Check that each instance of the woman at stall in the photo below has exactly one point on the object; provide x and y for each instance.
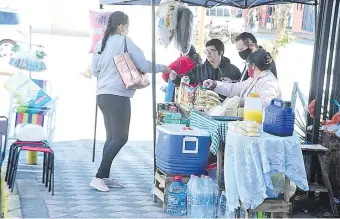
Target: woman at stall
(261, 81)
(113, 98)
(184, 63)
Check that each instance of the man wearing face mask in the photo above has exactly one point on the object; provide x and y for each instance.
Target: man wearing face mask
(246, 44)
(216, 67)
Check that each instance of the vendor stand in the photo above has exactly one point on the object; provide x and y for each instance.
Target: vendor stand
(241, 4)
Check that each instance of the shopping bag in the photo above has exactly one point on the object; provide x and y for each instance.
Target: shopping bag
(26, 92)
(131, 76)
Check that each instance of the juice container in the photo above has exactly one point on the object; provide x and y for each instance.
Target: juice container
(253, 108)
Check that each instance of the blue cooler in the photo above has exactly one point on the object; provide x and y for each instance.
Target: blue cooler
(182, 150)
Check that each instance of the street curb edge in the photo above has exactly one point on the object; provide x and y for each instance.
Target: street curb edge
(11, 206)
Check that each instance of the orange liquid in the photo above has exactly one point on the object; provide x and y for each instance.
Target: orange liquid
(253, 115)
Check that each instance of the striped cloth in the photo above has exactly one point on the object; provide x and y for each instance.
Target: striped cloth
(217, 129)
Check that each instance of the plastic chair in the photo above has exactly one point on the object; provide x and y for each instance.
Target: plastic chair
(48, 163)
(44, 116)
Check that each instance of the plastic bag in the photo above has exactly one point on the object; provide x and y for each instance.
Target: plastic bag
(166, 22)
(25, 91)
(183, 35)
(278, 181)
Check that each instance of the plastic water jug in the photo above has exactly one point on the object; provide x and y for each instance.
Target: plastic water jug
(170, 91)
(177, 197)
(279, 118)
(253, 108)
(197, 194)
(190, 190)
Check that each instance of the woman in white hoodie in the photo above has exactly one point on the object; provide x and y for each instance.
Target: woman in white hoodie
(261, 81)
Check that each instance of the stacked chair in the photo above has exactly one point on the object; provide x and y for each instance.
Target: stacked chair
(37, 146)
(3, 138)
(34, 130)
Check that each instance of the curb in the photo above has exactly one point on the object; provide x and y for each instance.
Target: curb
(11, 206)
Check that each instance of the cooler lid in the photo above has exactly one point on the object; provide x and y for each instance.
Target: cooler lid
(180, 129)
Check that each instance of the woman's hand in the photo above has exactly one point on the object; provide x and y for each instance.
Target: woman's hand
(210, 84)
(172, 75)
(167, 70)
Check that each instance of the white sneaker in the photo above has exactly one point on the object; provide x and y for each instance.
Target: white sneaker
(99, 185)
(112, 183)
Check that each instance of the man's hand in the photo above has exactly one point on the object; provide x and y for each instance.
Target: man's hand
(172, 75)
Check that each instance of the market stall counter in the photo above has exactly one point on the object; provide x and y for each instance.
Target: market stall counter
(258, 168)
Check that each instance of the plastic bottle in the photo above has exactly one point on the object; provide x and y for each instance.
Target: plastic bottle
(208, 199)
(222, 205)
(216, 192)
(196, 193)
(177, 197)
(190, 185)
(253, 108)
(170, 91)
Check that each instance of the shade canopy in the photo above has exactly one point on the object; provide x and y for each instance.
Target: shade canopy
(212, 3)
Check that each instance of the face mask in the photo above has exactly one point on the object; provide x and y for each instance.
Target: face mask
(251, 72)
(125, 32)
(244, 54)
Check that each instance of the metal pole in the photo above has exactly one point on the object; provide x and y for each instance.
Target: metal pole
(30, 46)
(320, 68)
(330, 61)
(316, 56)
(153, 2)
(95, 132)
(336, 73)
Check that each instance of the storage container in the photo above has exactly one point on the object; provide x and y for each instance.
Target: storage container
(181, 149)
(279, 118)
(253, 108)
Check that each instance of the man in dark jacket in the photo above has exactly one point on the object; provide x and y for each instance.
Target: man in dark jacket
(246, 44)
(216, 67)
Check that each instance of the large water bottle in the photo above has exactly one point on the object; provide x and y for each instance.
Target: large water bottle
(216, 190)
(177, 197)
(208, 198)
(190, 194)
(222, 205)
(197, 194)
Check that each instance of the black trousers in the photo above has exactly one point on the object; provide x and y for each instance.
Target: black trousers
(117, 113)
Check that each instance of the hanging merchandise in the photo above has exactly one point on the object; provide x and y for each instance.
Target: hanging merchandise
(26, 92)
(166, 22)
(29, 60)
(183, 34)
(98, 23)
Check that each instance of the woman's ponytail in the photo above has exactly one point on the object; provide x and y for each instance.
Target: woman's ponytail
(116, 19)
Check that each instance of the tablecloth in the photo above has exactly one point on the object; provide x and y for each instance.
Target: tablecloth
(216, 129)
(250, 161)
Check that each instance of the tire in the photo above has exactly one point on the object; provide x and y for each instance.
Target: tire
(6, 52)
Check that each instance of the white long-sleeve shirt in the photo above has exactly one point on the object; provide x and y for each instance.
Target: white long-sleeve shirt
(265, 85)
(103, 67)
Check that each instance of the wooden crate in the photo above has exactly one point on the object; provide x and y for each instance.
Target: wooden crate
(161, 185)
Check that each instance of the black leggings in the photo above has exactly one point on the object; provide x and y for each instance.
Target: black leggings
(117, 113)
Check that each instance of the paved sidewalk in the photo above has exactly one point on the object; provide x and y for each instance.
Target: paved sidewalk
(74, 198)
